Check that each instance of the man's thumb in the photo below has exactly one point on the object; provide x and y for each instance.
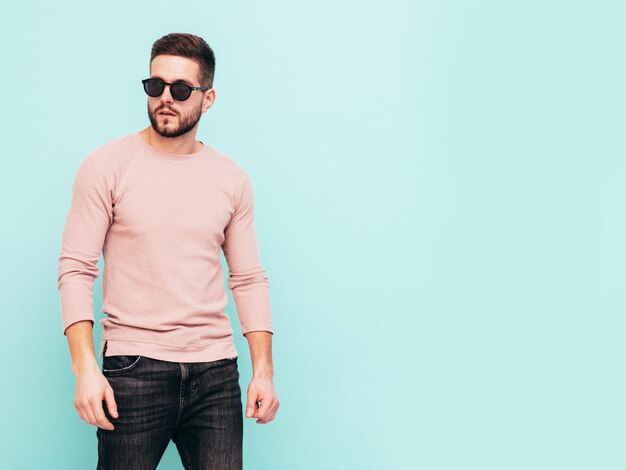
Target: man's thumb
(110, 400)
(251, 403)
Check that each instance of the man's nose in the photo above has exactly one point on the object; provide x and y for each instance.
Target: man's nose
(166, 96)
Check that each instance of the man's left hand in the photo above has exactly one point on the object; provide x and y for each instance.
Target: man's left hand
(262, 390)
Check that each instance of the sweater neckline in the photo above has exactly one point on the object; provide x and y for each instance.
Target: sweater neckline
(181, 157)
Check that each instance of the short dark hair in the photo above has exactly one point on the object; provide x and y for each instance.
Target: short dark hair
(189, 46)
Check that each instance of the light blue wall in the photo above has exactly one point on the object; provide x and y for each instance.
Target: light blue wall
(440, 210)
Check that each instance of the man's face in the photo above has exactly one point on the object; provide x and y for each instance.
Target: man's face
(186, 114)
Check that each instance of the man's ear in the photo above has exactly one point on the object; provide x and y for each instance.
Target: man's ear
(208, 100)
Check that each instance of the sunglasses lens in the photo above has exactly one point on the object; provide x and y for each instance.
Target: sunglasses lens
(180, 91)
(153, 87)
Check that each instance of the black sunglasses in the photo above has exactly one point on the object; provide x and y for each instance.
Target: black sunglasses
(180, 91)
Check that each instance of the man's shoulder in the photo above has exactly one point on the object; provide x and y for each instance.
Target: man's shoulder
(112, 153)
(228, 164)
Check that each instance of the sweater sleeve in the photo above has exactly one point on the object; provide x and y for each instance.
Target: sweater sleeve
(89, 217)
(247, 278)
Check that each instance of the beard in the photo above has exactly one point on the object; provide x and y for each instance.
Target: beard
(185, 123)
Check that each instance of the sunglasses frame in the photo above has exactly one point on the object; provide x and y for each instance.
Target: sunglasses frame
(164, 83)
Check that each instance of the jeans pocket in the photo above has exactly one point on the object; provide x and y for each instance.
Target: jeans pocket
(119, 364)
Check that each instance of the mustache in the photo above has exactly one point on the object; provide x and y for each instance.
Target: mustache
(166, 110)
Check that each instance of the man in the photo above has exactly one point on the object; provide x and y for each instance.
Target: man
(159, 206)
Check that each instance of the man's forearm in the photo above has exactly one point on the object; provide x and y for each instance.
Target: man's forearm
(260, 343)
(80, 340)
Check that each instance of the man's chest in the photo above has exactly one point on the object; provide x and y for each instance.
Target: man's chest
(183, 205)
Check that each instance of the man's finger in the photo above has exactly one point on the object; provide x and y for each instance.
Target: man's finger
(91, 419)
(251, 399)
(268, 411)
(250, 409)
(263, 411)
(109, 398)
(101, 419)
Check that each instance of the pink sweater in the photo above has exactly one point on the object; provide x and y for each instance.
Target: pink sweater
(160, 219)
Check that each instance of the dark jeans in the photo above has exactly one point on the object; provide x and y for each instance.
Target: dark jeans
(195, 404)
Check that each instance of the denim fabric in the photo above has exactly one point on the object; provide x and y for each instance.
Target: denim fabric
(196, 404)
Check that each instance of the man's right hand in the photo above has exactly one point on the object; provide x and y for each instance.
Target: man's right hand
(91, 388)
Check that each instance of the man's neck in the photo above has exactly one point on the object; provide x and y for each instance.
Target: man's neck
(182, 145)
